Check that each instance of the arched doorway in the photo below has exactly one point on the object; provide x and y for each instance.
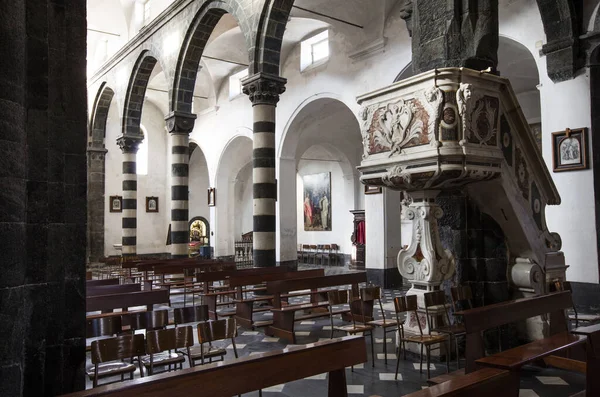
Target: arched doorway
(199, 242)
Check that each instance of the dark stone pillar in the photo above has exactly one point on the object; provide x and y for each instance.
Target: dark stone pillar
(263, 91)
(43, 126)
(129, 144)
(454, 33)
(95, 185)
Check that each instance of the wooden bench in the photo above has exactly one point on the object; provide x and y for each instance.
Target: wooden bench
(112, 289)
(244, 375)
(106, 281)
(244, 307)
(125, 300)
(285, 317)
(211, 298)
(482, 318)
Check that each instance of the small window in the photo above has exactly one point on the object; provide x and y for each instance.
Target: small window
(147, 11)
(235, 83)
(141, 157)
(314, 50)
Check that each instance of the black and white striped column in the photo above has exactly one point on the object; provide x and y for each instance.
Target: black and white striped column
(264, 91)
(180, 125)
(129, 145)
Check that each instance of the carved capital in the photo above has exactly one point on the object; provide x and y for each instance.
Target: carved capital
(180, 122)
(129, 143)
(264, 89)
(406, 12)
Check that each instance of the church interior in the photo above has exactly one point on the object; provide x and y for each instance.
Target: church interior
(300, 198)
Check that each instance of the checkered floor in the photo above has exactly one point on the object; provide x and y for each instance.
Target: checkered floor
(366, 380)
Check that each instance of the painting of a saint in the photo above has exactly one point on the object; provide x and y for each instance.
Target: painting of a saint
(317, 202)
(570, 151)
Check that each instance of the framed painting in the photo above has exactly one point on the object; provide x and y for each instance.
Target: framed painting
(373, 189)
(212, 197)
(116, 203)
(569, 150)
(151, 204)
(316, 202)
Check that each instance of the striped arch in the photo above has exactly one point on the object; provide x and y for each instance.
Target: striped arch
(265, 56)
(97, 131)
(193, 47)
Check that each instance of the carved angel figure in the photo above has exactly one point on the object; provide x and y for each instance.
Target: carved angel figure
(397, 171)
(463, 95)
(366, 116)
(434, 100)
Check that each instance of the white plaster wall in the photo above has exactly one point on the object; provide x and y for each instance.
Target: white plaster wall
(341, 204)
(383, 229)
(113, 182)
(198, 186)
(243, 202)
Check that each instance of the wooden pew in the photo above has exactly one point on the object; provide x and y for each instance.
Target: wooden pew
(210, 298)
(488, 382)
(244, 307)
(592, 365)
(112, 289)
(244, 375)
(107, 281)
(123, 301)
(285, 317)
(482, 318)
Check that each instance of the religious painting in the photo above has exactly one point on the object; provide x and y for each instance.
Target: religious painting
(569, 150)
(373, 189)
(151, 204)
(212, 199)
(116, 204)
(317, 202)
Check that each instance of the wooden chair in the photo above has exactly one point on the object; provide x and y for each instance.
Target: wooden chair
(408, 305)
(312, 253)
(388, 325)
(438, 299)
(103, 326)
(335, 253)
(305, 253)
(342, 297)
(559, 286)
(107, 352)
(211, 331)
(192, 314)
(161, 342)
(149, 320)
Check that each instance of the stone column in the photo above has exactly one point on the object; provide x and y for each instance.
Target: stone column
(264, 91)
(129, 144)
(179, 126)
(453, 34)
(95, 193)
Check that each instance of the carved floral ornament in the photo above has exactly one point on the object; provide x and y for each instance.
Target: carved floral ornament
(393, 126)
(479, 115)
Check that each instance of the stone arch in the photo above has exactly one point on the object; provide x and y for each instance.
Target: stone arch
(96, 168)
(193, 47)
(330, 112)
(136, 91)
(265, 55)
(595, 127)
(561, 20)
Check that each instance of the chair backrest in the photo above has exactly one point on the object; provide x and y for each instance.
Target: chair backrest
(150, 320)
(337, 297)
(103, 326)
(370, 294)
(437, 299)
(305, 246)
(169, 339)
(210, 331)
(335, 247)
(118, 348)
(191, 314)
(461, 293)
(407, 304)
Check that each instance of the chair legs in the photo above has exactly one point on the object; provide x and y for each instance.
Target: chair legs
(372, 350)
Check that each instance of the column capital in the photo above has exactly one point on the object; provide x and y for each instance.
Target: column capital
(180, 122)
(129, 143)
(264, 89)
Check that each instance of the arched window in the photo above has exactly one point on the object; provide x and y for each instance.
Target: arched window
(142, 154)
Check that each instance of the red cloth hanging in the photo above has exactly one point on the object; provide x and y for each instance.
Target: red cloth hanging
(360, 233)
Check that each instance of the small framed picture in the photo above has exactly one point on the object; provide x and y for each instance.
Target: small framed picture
(116, 204)
(151, 204)
(569, 150)
(373, 189)
(212, 197)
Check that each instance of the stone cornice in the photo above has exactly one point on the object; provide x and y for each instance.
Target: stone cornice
(264, 89)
